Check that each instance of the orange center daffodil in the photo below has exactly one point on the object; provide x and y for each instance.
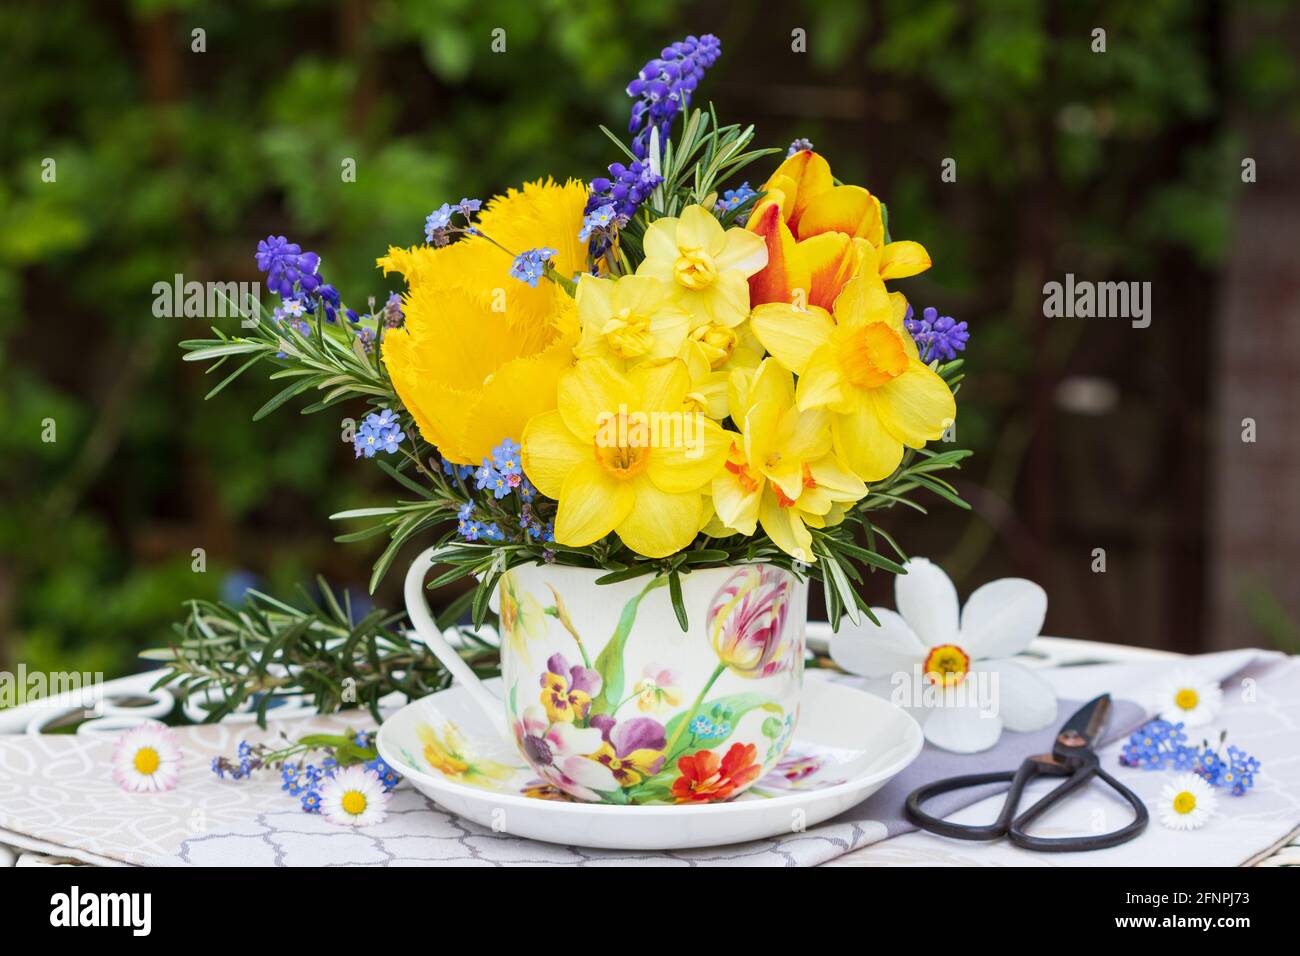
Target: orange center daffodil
(862, 366)
(781, 472)
(820, 235)
(623, 452)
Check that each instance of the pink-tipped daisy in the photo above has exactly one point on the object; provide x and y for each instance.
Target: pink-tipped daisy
(147, 759)
(354, 797)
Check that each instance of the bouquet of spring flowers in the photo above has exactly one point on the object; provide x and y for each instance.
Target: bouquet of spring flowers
(658, 371)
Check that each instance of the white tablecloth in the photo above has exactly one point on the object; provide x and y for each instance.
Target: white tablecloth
(56, 796)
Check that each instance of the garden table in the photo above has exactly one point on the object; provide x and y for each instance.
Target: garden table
(914, 848)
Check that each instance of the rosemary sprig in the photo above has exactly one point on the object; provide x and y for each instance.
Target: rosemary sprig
(266, 649)
(692, 166)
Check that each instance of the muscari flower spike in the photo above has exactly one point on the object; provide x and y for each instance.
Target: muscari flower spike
(664, 86)
(625, 189)
(936, 336)
(287, 267)
(798, 146)
(293, 275)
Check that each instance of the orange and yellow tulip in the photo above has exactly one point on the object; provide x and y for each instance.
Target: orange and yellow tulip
(819, 236)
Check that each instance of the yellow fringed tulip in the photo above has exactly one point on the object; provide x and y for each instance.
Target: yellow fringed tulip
(707, 266)
(630, 319)
(623, 453)
(480, 353)
(470, 378)
(862, 366)
(540, 214)
(819, 235)
(782, 473)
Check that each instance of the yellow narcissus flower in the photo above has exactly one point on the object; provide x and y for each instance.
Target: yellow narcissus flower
(707, 266)
(708, 381)
(630, 319)
(480, 353)
(819, 236)
(623, 453)
(782, 472)
(863, 367)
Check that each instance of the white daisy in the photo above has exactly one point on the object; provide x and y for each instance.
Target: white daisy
(354, 797)
(147, 759)
(960, 658)
(1188, 698)
(1187, 803)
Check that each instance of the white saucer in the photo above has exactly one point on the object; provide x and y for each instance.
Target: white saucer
(847, 745)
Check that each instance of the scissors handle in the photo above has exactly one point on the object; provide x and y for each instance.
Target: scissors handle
(1012, 826)
(1028, 770)
(1016, 832)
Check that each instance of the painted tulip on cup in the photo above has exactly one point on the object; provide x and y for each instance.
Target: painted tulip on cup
(746, 622)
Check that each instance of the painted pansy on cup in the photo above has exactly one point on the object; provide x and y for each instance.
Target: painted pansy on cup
(641, 413)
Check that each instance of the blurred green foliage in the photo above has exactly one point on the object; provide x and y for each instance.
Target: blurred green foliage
(170, 160)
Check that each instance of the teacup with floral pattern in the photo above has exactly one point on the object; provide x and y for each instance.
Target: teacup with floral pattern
(610, 701)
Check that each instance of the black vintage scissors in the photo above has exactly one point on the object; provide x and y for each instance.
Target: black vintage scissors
(1072, 757)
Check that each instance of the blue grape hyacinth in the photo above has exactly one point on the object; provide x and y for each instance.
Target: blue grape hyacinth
(664, 86)
(936, 336)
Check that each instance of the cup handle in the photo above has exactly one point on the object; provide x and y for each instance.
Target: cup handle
(428, 631)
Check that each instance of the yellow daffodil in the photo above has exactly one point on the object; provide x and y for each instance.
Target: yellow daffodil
(708, 392)
(629, 319)
(480, 353)
(707, 266)
(725, 347)
(624, 453)
(819, 235)
(862, 366)
(782, 472)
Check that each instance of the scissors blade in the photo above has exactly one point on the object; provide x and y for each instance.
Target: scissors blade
(1088, 721)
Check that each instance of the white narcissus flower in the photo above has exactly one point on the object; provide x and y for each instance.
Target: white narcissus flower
(354, 797)
(1187, 803)
(147, 759)
(929, 636)
(1187, 698)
